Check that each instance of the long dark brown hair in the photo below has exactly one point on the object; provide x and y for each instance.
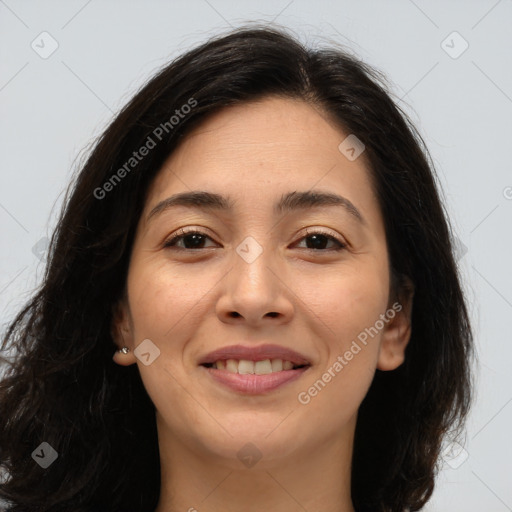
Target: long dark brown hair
(62, 386)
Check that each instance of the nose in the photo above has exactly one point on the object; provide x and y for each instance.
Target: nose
(255, 292)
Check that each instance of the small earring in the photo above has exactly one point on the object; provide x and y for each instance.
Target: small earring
(124, 350)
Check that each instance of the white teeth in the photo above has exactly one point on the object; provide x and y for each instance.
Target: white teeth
(277, 365)
(263, 367)
(232, 366)
(244, 366)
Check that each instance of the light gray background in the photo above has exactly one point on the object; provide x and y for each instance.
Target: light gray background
(52, 108)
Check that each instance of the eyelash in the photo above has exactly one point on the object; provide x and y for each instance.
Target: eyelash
(183, 232)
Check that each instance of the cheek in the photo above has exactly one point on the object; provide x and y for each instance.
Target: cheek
(347, 306)
(344, 301)
(166, 306)
(164, 300)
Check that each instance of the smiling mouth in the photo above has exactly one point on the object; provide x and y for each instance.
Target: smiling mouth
(254, 377)
(247, 367)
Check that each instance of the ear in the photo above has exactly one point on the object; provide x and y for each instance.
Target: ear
(397, 331)
(122, 333)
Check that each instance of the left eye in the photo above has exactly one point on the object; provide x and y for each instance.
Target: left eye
(196, 241)
(319, 240)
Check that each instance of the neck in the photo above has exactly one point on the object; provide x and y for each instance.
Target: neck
(314, 478)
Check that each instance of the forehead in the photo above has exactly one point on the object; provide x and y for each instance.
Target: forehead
(262, 149)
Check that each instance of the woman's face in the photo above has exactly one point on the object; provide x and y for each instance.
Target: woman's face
(310, 276)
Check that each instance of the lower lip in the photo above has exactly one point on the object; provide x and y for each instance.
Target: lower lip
(251, 384)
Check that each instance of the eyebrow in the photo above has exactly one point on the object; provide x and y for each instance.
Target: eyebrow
(291, 201)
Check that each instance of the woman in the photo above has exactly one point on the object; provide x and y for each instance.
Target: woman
(250, 301)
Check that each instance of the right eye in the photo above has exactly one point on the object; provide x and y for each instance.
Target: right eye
(193, 238)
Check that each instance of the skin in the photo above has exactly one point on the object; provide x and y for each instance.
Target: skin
(321, 299)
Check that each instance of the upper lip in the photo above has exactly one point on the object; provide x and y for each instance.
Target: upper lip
(259, 353)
